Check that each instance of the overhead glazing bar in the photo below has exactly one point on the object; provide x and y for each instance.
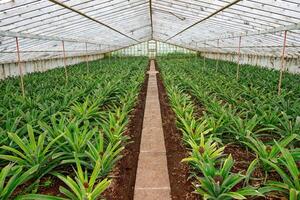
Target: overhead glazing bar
(90, 18)
(209, 16)
(259, 32)
(44, 37)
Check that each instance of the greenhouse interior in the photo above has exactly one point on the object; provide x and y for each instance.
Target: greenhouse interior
(149, 99)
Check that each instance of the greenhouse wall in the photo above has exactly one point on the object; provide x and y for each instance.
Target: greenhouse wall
(151, 48)
(292, 65)
(41, 65)
(135, 50)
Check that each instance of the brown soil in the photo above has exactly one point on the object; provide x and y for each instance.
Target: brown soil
(48, 185)
(124, 174)
(53, 188)
(242, 159)
(181, 188)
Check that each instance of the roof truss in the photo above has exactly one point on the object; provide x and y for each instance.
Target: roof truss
(213, 25)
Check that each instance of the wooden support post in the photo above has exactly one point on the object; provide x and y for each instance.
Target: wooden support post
(87, 57)
(189, 56)
(100, 50)
(113, 54)
(41, 66)
(218, 57)
(282, 68)
(109, 54)
(196, 51)
(65, 61)
(155, 48)
(256, 60)
(204, 55)
(20, 67)
(238, 63)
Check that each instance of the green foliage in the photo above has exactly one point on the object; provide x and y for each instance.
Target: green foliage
(241, 128)
(288, 170)
(84, 187)
(288, 125)
(206, 151)
(32, 152)
(207, 99)
(114, 125)
(219, 183)
(107, 157)
(265, 152)
(11, 177)
(85, 111)
(55, 120)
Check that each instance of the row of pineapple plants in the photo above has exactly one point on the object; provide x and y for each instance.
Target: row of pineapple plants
(215, 110)
(72, 131)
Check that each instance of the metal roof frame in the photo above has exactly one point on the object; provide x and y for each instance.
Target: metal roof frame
(91, 18)
(193, 24)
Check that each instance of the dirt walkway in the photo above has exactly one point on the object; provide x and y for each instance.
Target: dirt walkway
(152, 179)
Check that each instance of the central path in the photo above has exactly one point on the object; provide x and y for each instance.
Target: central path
(152, 179)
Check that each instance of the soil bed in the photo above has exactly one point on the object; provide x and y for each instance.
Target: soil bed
(181, 188)
(242, 159)
(179, 172)
(124, 174)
